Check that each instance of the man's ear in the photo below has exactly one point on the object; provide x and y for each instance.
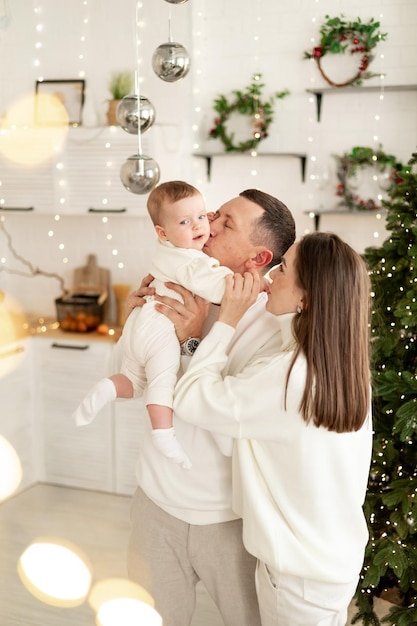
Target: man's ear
(260, 259)
(161, 233)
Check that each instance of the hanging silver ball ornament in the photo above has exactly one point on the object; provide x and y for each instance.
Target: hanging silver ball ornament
(171, 62)
(139, 174)
(127, 114)
(176, 1)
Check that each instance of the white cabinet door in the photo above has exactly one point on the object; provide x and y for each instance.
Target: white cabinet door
(17, 406)
(81, 175)
(89, 175)
(73, 456)
(129, 418)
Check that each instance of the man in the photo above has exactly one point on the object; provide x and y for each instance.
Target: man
(183, 526)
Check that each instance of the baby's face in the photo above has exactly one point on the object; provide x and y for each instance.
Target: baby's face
(185, 223)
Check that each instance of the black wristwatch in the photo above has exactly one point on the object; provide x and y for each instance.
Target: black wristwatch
(189, 346)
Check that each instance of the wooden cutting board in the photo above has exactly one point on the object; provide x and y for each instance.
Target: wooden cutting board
(91, 277)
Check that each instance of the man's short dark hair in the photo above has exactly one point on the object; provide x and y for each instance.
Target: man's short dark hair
(276, 228)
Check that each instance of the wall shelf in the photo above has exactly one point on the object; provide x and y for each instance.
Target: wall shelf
(209, 156)
(320, 93)
(316, 214)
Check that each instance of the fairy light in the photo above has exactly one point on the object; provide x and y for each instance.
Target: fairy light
(257, 20)
(199, 78)
(312, 139)
(39, 41)
(85, 25)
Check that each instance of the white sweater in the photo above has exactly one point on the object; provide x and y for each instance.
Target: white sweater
(193, 269)
(203, 495)
(298, 488)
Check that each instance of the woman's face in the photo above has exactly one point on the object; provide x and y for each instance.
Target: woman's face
(284, 293)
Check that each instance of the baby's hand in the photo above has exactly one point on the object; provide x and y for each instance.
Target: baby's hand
(137, 297)
(241, 292)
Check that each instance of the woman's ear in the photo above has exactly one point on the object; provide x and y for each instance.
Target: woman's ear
(260, 259)
(161, 233)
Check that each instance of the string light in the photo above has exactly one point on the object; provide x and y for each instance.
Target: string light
(199, 77)
(39, 42)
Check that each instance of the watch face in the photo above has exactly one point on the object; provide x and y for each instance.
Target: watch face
(192, 345)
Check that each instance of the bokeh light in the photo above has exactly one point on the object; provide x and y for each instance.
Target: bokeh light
(55, 572)
(25, 138)
(116, 588)
(128, 612)
(10, 469)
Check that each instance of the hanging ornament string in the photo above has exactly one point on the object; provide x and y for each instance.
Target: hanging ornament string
(169, 24)
(137, 79)
(140, 173)
(170, 61)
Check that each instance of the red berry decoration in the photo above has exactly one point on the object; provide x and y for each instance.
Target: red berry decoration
(339, 36)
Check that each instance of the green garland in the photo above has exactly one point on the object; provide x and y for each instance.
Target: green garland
(247, 102)
(339, 36)
(363, 157)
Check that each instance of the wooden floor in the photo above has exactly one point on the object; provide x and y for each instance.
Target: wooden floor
(97, 523)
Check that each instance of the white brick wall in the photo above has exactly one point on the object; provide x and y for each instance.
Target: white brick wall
(222, 32)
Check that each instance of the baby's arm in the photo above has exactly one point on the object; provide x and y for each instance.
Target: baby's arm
(204, 277)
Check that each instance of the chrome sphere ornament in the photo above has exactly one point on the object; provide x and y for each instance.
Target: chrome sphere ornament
(127, 114)
(176, 1)
(171, 62)
(139, 174)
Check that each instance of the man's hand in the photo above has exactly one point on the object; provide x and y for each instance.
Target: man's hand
(137, 297)
(188, 318)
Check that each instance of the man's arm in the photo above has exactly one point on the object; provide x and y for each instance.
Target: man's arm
(188, 318)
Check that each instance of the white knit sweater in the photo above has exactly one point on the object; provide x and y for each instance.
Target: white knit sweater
(298, 488)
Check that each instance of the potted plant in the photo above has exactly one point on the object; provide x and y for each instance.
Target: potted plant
(120, 85)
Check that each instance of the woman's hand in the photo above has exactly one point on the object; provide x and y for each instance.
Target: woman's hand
(188, 318)
(241, 292)
(137, 297)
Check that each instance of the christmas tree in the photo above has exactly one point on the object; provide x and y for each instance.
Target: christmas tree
(390, 566)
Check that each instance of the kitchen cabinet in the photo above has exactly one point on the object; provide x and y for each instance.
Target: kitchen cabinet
(38, 397)
(73, 456)
(17, 418)
(80, 177)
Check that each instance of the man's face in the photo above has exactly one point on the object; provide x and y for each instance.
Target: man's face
(229, 241)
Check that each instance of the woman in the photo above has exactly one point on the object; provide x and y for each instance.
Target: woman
(302, 425)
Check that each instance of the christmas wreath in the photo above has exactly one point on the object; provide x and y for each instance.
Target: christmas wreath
(339, 36)
(246, 102)
(359, 158)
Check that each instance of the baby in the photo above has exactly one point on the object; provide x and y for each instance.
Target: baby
(151, 352)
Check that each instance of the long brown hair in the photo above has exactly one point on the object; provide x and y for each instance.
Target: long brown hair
(333, 332)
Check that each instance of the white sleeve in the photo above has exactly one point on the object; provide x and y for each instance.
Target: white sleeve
(247, 405)
(205, 277)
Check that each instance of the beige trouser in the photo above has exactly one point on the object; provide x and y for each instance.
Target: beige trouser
(286, 600)
(168, 557)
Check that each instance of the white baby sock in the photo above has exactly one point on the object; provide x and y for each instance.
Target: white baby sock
(101, 394)
(166, 443)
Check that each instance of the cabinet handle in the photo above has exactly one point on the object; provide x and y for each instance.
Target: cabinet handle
(17, 208)
(68, 346)
(93, 210)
